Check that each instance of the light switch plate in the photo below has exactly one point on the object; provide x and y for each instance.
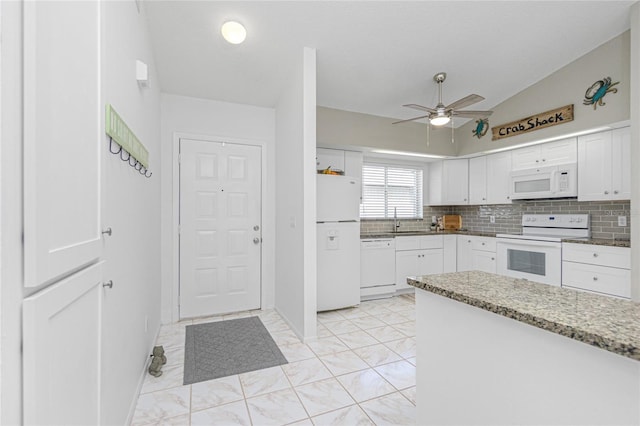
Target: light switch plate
(622, 221)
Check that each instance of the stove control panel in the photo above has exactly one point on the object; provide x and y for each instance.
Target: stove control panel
(579, 221)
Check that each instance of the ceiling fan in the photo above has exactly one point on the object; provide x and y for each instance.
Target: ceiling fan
(441, 115)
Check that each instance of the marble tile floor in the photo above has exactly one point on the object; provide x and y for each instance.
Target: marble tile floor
(359, 371)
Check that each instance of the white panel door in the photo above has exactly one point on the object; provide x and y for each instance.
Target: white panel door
(61, 344)
(220, 228)
(62, 116)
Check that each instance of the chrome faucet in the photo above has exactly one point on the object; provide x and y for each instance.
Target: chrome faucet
(396, 224)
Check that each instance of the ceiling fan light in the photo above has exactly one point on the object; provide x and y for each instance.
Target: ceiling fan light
(233, 32)
(439, 120)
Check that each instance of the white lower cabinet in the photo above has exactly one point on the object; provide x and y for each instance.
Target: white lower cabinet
(599, 269)
(418, 255)
(476, 253)
(61, 351)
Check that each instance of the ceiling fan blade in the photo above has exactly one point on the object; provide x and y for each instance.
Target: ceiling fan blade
(464, 102)
(421, 108)
(472, 114)
(411, 119)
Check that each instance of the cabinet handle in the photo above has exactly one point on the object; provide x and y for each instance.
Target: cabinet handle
(606, 192)
(595, 254)
(107, 231)
(493, 258)
(508, 198)
(482, 243)
(537, 161)
(595, 278)
(108, 284)
(544, 159)
(615, 192)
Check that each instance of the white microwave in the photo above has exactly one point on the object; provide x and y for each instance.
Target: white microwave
(545, 182)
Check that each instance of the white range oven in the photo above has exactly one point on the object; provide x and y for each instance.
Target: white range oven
(536, 254)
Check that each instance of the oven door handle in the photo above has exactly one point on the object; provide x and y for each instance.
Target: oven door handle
(529, 243)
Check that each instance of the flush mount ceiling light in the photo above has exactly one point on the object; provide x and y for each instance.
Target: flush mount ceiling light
(233, 32)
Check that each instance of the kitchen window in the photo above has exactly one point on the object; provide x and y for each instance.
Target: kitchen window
(388, 187)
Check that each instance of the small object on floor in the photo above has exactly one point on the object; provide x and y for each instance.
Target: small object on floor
(158, 360)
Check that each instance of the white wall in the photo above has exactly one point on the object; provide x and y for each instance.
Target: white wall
(223, 121)
(295, 199)
(130, 206)
(565, 86)
(11, 221)
(635, 151)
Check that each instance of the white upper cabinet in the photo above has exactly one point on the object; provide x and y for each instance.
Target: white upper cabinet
(547, 154)
(62, 139)
(478, 180)
(455, 182)
(333, 158)
(489, 179)
(350, 162)
(498, 178)
(604, 166)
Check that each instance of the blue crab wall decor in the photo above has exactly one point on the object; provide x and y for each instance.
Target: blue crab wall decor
(482, 125)
(595, 93)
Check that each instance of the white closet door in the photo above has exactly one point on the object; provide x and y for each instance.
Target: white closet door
(61, 351)
(62, 121)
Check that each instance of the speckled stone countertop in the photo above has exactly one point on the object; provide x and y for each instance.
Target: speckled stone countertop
(600, 242)
(605, 322)
(414, 233)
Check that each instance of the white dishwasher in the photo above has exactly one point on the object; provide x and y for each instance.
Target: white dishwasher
(377, 268)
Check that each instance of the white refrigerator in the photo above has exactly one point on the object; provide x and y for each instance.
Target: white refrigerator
(338, 239)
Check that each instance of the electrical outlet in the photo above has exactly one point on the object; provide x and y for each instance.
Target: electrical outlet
(492, 219)
(622, 221)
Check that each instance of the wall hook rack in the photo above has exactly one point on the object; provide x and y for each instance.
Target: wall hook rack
(127, 157)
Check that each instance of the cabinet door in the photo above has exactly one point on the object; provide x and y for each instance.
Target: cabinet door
(455, 179)
(559, 152)
(478, 185)
(353, 164)
(430, 262)
(498, 178)
(435, 183)
(406, 266)
(621, 164)
(62, 138)
(449, 253)
(594, 167)
(463, 254)
(333, 158)
(526, 158)
(61, 344)
(484, 261)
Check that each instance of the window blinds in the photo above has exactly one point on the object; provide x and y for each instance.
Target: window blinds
(385, 187)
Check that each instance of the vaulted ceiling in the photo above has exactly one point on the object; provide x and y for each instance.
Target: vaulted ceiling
(374, 56)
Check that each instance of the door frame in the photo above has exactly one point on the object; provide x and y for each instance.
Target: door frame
(268, 221)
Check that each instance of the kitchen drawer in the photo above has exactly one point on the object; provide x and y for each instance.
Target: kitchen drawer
(484, 244)
(419, 242)
(600, 279)
(616, 257)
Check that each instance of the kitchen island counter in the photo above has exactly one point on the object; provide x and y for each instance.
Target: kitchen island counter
(494, 350)
(608, 323)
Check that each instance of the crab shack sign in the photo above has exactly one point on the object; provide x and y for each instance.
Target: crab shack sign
(535, 122)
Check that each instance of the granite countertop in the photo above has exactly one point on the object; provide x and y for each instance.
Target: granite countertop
(600, 242)
(414, 233)
(605, 322)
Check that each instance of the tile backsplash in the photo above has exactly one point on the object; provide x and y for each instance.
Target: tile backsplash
(604, 217)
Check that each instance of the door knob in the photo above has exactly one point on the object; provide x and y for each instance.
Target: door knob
(256, 240)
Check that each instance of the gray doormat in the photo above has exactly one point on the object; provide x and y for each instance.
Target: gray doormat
(225, 348)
